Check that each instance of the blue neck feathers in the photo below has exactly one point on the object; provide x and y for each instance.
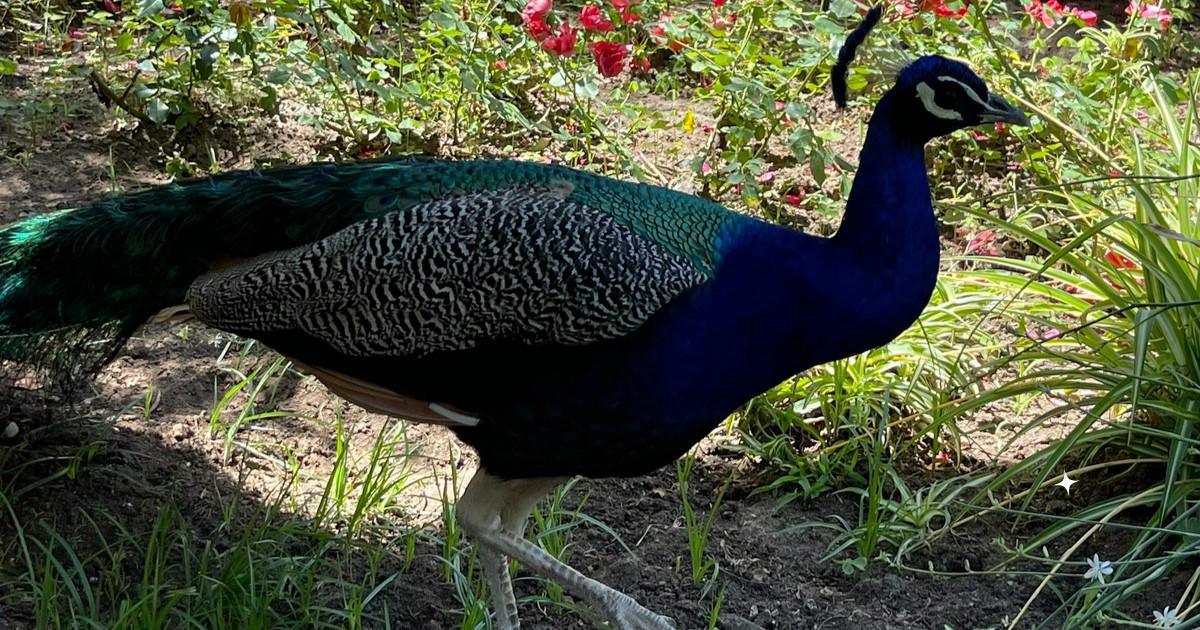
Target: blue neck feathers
(782, 301)
(890, 213)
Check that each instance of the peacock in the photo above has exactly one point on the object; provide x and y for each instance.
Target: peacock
(603, 326)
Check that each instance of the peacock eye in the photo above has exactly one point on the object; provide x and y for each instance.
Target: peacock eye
(955, 96)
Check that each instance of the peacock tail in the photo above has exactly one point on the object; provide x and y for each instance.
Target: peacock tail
(75, 284)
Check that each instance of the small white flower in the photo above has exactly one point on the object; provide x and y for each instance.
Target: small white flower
(1166, 618)
(1098, 568)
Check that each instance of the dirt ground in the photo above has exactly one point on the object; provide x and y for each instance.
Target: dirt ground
(774, 574)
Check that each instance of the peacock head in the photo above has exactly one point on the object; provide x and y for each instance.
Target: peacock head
(933, 95)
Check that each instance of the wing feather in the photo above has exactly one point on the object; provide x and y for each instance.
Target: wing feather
(526, 264)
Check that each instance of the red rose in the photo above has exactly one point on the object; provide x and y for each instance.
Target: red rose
(610, 57)
(534, 16)
(592, 19)
(562, 44)
(536, 26)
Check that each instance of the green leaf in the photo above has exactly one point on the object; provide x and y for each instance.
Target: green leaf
(206, 59)
(1160, 230)
(279, 75)
(587, 88)
(856, 81)
(347, 33)
(445, 20)
(157, 111)
(825, 25)
(124, 42)
(843, 8)
(816, 162)
(7, 66)
(150, 7)
(269, 101)
(189, 32)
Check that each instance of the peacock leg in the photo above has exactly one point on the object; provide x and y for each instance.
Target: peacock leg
(493, 511)
(504, 506)
(504, 603)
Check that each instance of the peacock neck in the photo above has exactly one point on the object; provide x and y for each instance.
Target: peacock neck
(887, 246)
(889, 211)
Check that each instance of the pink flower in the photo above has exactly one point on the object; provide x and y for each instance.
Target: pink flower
(983, 244)
(940, 8)
(765, 177)
(705, 168)
(592, 19)
(500, 64)
(112, 7)
(610, 57)
(1001, 127)
(536, 7)
(562, 44)
(1039, 13)
(905, 8)
(1087, 17)
(794, 198)
(1043, 334)
(723, 22)
(659, 34)
(1150, 12)
(1046, 12)
(627, 14)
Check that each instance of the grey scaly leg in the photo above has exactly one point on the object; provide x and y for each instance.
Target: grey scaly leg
(506, 508)
(494, 511)
(504, 603)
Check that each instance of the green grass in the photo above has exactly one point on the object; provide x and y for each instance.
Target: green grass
(275, 570)
(705, 569)
(1127, 290)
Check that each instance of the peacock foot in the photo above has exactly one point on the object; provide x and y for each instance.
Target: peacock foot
(626, 614)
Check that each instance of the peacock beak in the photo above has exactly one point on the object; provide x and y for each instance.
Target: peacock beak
(999, 110)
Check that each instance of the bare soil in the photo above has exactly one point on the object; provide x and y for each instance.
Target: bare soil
(774, 573)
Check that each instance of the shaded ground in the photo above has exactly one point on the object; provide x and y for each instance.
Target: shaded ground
(146, 435)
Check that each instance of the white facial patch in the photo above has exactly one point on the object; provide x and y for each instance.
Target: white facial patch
(927, 96)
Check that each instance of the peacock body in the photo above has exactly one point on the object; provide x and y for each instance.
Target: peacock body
(559, 322)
